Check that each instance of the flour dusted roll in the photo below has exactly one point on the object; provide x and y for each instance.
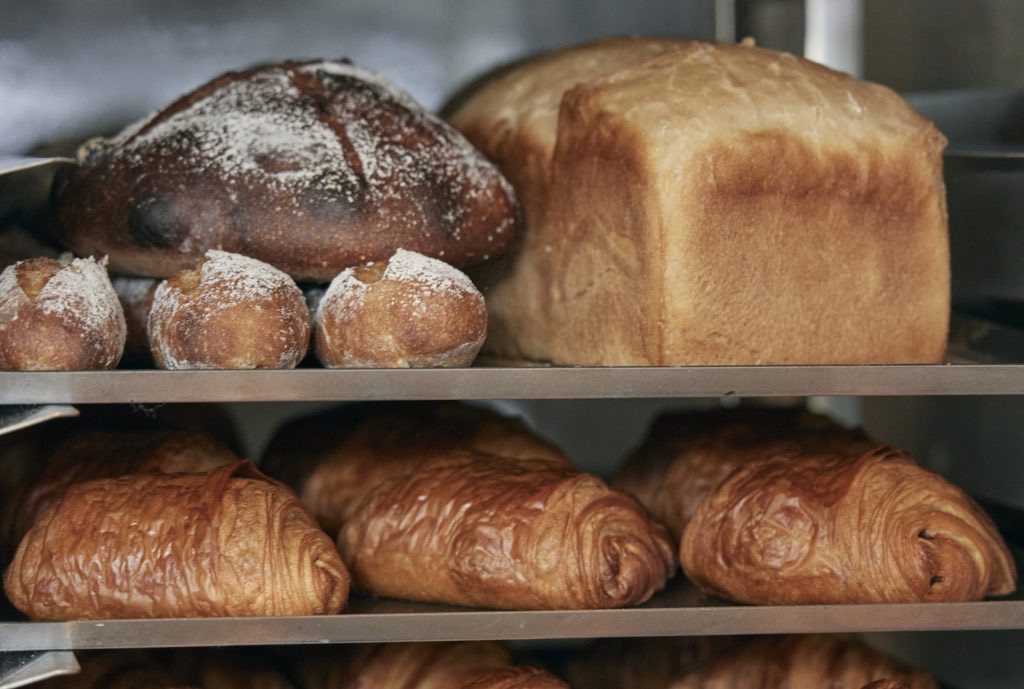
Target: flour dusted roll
(697, 203)
(312, 167)
(225, 543)
(229, 311)
(59, 316)
(408, 311)
(824, 527)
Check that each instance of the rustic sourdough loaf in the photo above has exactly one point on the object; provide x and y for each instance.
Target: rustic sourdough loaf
(691, 203)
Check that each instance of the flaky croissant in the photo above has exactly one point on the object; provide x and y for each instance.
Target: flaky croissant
(887, 684)
(480, 530)
(85, 455)
(330, 458)
(443, 665)
(116, 670)
(820, 528)
(230, 542)
(686, 455)
(642, 663)
(804, 662)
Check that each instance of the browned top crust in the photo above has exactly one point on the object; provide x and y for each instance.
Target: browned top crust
(310, 166)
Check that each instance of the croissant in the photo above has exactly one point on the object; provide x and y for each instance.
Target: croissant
(685, 455)
(331, 458)
(229, 542)
(642, 663)
(115, 670)
(832, 528)
(446, 665)
(887, 684)
(499, 532)
(807, 662)
(84, 455)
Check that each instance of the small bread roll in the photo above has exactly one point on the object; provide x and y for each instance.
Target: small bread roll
(230, 311)
(136, 295)
(59, 316)
(409, 311)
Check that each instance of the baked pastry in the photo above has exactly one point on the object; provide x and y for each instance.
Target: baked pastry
(407, 311)
(817, 527)
(229, 311)
(312, 167)
(695, 203)
(136, 296)
(444, 665)
(473, 529)
(887, 684)
(116, 670)
(807, 662)
(686, 455)
(59, 316)
(331, 459)
(84, 455)
(653, 663)
(225, 543)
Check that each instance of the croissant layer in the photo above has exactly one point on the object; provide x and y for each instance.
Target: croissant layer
(229, 542)
(833, 528)
(481, 530)
(804, 662)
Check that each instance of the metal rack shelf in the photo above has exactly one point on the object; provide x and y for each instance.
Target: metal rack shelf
(678, 611)
(507, 383)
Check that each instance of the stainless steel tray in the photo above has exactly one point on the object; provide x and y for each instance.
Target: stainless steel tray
(507, 383)
(678, 611)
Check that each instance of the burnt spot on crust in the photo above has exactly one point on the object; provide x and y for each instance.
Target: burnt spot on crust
(157, 222)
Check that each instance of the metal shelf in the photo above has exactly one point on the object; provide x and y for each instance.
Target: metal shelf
(678, 611)
(507, 383)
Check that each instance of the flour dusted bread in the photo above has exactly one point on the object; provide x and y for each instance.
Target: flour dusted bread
(59, 316)
(312, 167)
(808, 527)
(692, 203)
(408, 311)
(225, 543)
(229, 311)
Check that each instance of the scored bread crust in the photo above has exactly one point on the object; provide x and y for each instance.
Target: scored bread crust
(692, 203)
(310, 166)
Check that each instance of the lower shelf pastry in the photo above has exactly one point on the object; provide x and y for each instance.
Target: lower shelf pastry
(783, 508)
(229, 542)
(480, 514)
(768, 662)
(443, 665)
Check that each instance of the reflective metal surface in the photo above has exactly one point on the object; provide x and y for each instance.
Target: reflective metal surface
(679, 611)
(507, 383)
(24, 668)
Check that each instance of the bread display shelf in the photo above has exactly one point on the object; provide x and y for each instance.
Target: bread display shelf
(87, 387)
(679, 611)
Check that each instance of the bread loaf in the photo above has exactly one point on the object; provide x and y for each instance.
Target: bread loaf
(220, 544)
(228, 312)
(692, 203)
(824, 527)
(407, 311)
(312, 167)
(59, 316)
